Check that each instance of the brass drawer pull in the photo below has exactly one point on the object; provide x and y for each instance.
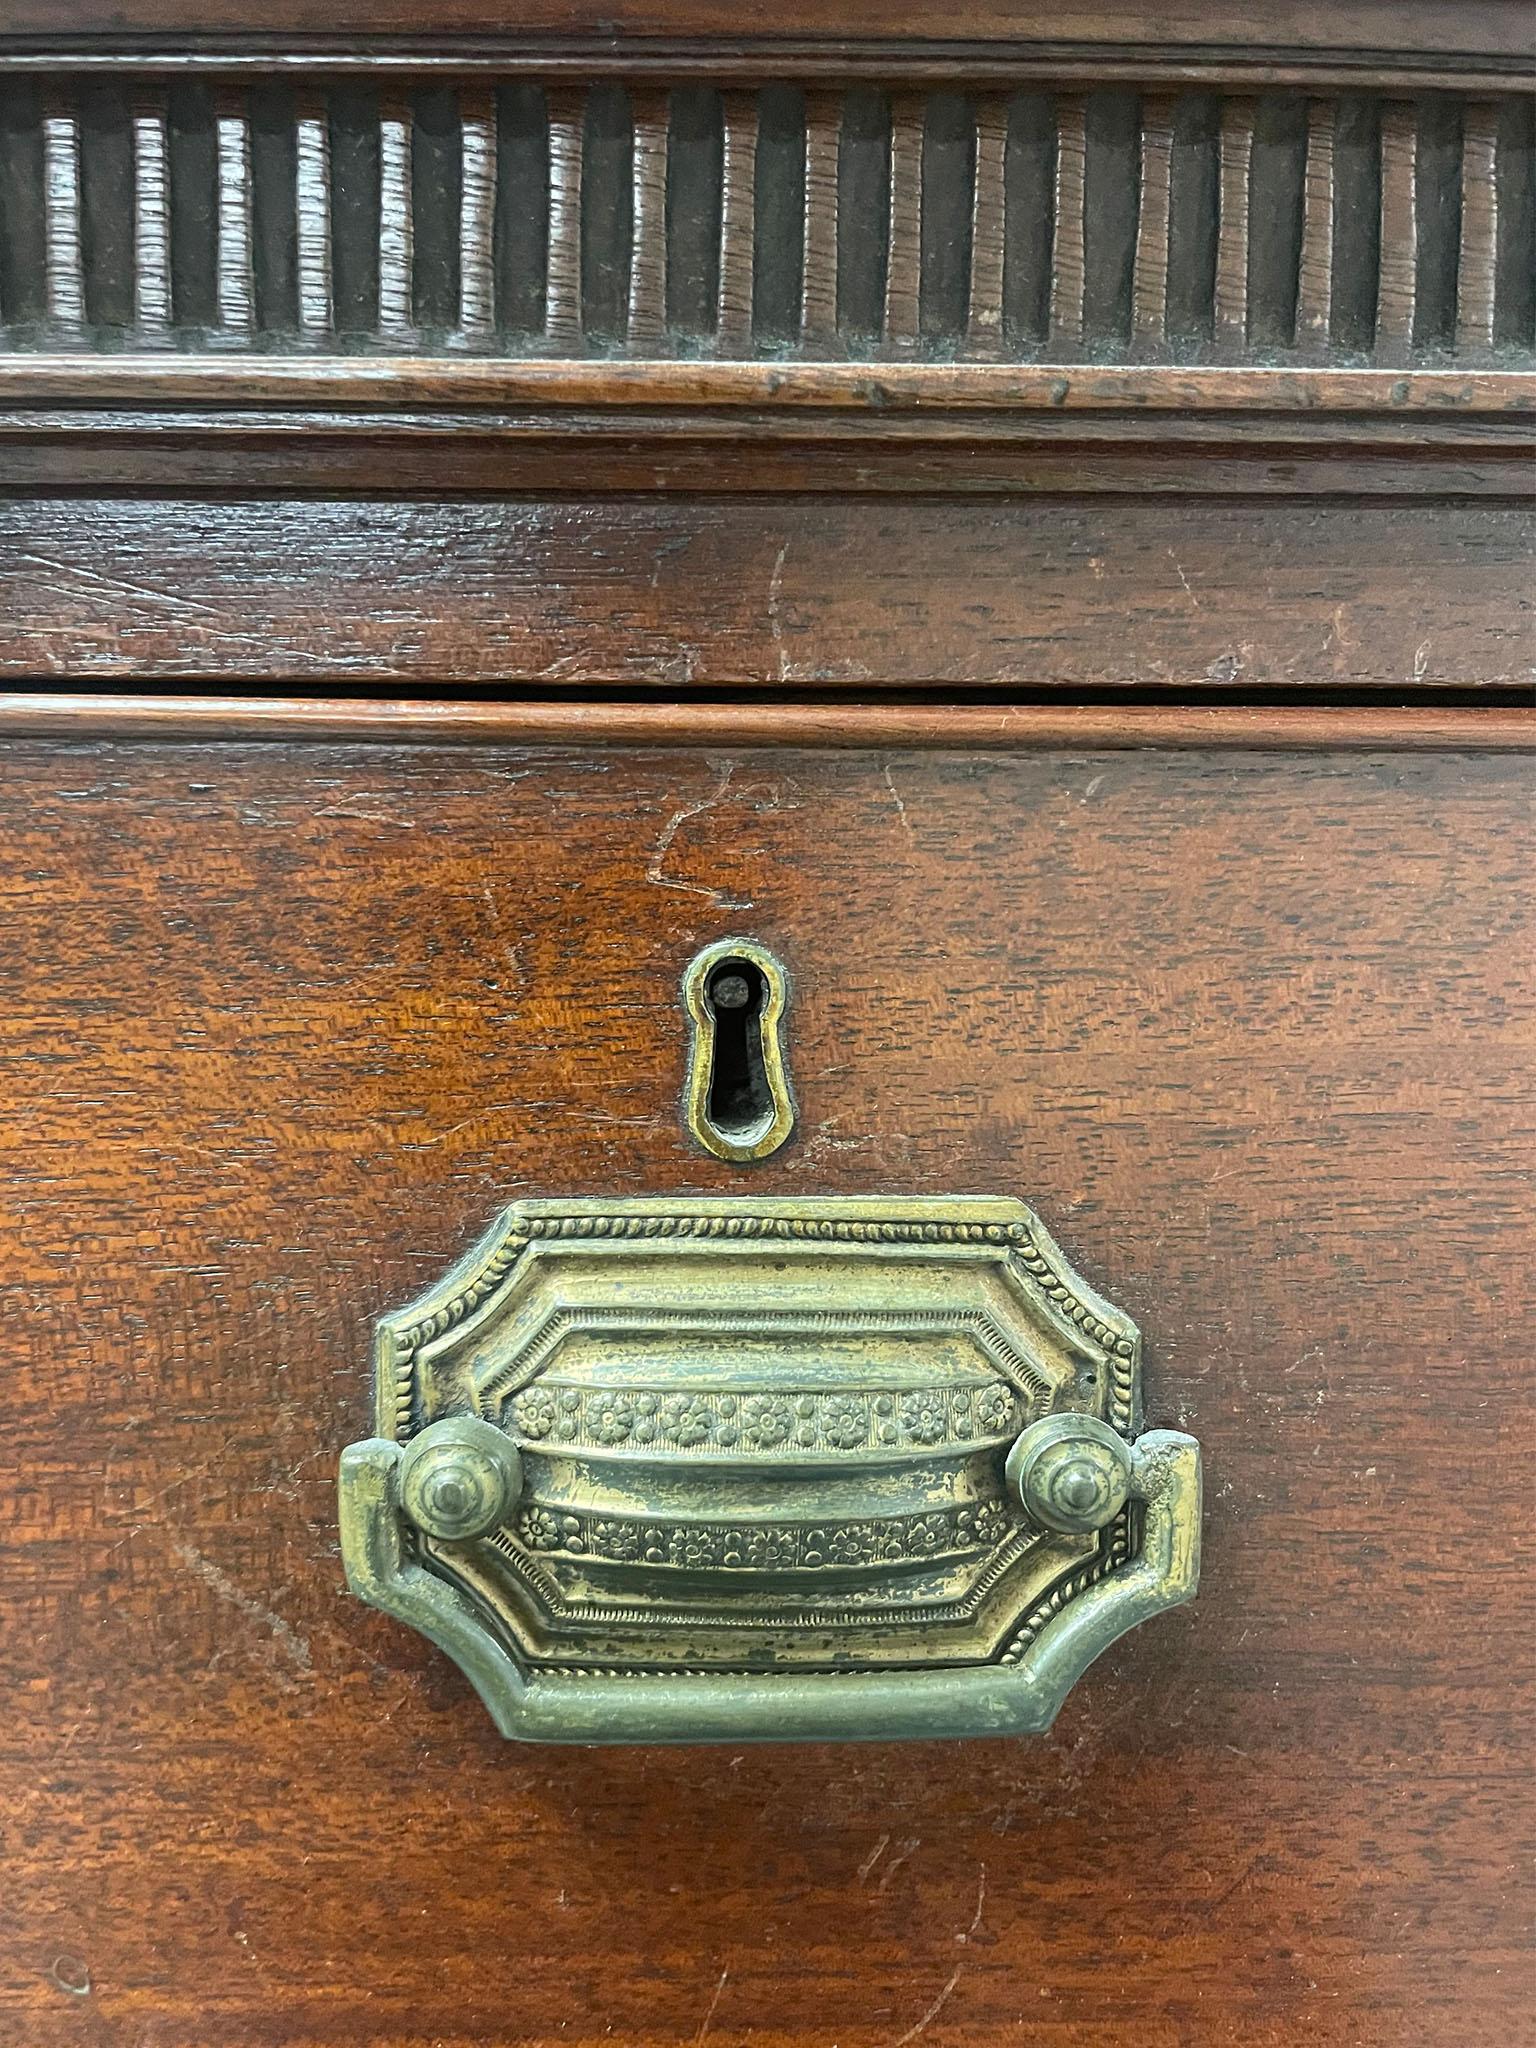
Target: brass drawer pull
(710, 1470)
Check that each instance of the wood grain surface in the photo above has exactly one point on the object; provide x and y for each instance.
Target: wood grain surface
(1480, 727)
(1049, 593)
(870, 388)
(151, 453)
(1306, 29)
(282, 1026)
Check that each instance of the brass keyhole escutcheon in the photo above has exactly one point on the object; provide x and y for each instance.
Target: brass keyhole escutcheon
(738, 1103)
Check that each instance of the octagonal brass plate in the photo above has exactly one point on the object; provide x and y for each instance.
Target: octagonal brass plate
(700, 1469)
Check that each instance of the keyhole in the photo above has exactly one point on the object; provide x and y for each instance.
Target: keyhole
(738, 1087)
(739, 1105)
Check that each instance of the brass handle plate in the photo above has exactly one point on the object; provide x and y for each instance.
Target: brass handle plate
(716, 1470)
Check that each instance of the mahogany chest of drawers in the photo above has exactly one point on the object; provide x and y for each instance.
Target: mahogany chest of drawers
(997, 550)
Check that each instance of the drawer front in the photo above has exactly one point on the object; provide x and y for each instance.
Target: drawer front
(285, 1026)
(1229, 594)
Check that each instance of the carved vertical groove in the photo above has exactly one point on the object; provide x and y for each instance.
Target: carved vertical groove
(1228, 224)
(984, 323)
(647, 320)
(1314, 284)
(904, 231)
(1068, 246)
(562, 282)
(477, 214)
(1234, 191)
(1397, 277)
(63, 256)
(1477, 258)
(738, 223)
(818, 276)
(312, 200)
(236, 294)
(397, 252)
(1149, 288)
(151, 219)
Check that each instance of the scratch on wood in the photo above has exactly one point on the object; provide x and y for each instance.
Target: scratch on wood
(509, 951)
(931, 2014)
(710, 2013)
(775, 619)
(440, 1137)
(1179, 571)
(286, 1640)
(350, 807)
(655, 869)
(903, 1854)
(118, 584)
(809, 1159)
(890, 783)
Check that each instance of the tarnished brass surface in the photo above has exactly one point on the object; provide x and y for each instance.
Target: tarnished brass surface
(763, 1113)
(678, 1470)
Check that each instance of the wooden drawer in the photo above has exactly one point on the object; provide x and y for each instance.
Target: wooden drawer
(1055, 497)
(284, 1024)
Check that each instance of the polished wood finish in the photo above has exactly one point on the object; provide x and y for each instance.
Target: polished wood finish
(857, 387)
(1295, 32)
(206, 450)
(84, 718)
(1030, 520)
(1150, 596)
(283, 1025)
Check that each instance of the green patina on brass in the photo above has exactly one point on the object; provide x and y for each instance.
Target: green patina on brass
(715, 1470)
(767, 1115)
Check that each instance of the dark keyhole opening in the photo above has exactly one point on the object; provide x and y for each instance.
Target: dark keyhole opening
(738, 1086)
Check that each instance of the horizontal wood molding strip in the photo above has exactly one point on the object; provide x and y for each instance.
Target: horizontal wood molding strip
(27, 715)
(1175, 455)
(871, 389)
(734, 62)
(1363, 30)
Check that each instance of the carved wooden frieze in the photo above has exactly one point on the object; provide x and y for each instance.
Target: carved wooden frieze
(509, 216)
